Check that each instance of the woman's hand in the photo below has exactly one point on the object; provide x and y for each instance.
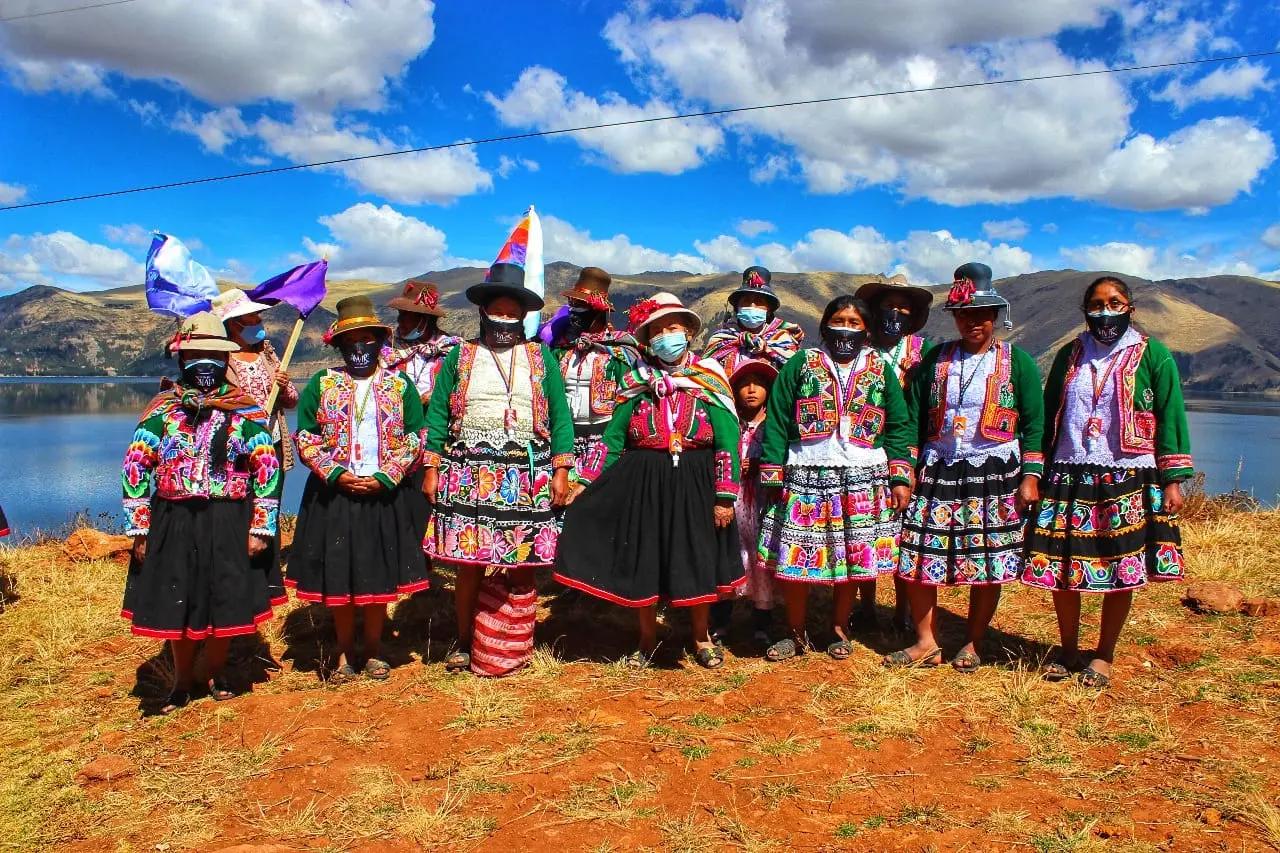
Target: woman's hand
(901, 498)
(1028, 495)
(257, 544)
(140, 547)
(431, 484)
(1173, 499)
(575, 490)
(724, 514)
(371, 486)
(349, 483)
(560, 487)
(282, 379)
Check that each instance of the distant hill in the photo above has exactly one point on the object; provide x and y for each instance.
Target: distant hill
(1224, 330)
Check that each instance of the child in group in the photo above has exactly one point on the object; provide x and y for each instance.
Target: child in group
(751, 382)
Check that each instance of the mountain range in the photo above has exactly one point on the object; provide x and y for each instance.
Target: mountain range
(1223, 330)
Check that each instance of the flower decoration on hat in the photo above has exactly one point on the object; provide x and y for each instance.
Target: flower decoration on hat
(640, 313)
(595, 301)
(754, 279)
(961, 293)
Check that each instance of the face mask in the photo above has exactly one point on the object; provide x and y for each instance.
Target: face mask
(750, 318)
(361, 356)
(254, 334)
(501, 333)
(1106, 326)
(894, 323)
(844, 342)
(582, 319)
(670, 347)
(204, 374)
(415, 334)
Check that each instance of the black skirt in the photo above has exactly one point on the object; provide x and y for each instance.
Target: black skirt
(196, 580)
(645, 531)
(359, 550)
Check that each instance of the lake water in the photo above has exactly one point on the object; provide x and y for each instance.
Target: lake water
(62, 441)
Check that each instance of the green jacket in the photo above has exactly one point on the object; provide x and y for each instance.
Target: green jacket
(804, 406)
(1013, 408)
(1153, 416)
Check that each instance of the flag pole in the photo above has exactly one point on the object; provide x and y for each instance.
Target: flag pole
(284, 363)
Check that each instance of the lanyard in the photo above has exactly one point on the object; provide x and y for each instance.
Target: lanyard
(508, 379)
(1099, 387)
(364, 403)
(845, 387)
(965, 383)
(672, 406)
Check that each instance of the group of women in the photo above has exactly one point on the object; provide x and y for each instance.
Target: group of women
(646, 474)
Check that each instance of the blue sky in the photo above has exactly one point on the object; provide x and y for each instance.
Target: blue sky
(1153, 174)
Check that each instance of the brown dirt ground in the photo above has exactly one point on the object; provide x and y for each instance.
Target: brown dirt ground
(578, 754)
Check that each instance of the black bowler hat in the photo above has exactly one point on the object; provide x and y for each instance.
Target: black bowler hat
(504, 280)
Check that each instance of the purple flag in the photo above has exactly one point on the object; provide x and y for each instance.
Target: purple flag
(302, 287)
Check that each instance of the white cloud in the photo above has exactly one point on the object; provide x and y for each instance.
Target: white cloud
(313, 52)
(991, 144)
(726, 252)
(507, 165)
(139, 237)
(930, 257)
(754, 227)
(64, 259)
(1008, 229)
(12, 193)
(1238, 81)
(540, 99)
(1049, 228)
(437, 177)
(863, 249)
(1271, 237)
(1153, 262)
(564, 242)
(381, 244)
(216, 129)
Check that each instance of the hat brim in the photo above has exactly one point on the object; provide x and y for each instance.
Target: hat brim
(921, 300)
(753, 366)
(642, 333)
(400, 303)
(206, 345)
(588, 297)
(243, 309)
(340, 328)
(484, 293)
(998, 302)
(774, 302)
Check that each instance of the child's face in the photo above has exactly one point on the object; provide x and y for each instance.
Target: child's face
(752, 391)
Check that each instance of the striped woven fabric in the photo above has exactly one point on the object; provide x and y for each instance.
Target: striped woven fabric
(502, 638)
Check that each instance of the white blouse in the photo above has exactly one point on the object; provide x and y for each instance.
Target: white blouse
(484, 417)
(969, 372)
(1097, 361)
(835, 450)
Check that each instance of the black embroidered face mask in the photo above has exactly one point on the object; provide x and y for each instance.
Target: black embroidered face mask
(204, 374)
(581, 319)
(893, 324)
(501, 333)
(844, 342)
(1107, 327)
(360, 356)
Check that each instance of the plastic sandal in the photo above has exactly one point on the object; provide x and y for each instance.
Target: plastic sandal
(639, 659)
(966, 662)
(782, 650)
(379, 670)
(175, 700)
(459, 661)
(1093, 679)
(840, 650)
(344, 674)
(710, 658)
(902, 659)
(220, 689)
(1058, 668)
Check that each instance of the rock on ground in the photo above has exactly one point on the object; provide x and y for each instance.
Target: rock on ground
(87, 544)
(107, 769)
(1213, 597)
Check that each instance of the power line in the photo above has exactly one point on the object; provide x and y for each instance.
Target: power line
(515, 137)
(61, 11)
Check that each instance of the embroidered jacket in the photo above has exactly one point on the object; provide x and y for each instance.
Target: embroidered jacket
(326, 424)
(605, 372)
(906, 356)
(805, 405)
(256, 377)
(1013, 407)
(551, 418)
(181, 452)
(641, 423)
(1153, 417)
(421, 360)
(776, 342)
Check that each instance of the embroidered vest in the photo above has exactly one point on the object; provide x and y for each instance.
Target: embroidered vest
(537, 371)
(1136, 416)
(604, 391)
(818, 410)
(1000, 406)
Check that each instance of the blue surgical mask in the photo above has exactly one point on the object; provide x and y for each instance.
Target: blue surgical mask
(415, 334)
(254, 334)
(670, 347)
(750, 318)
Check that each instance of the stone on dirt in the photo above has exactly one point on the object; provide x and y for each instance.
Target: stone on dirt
(108, 768)
(87, 544)
(1213, 597)
(1258, 607)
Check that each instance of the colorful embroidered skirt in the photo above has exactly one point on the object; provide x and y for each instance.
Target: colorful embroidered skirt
(493, 507)
(962, 526)
(831, 525)
(645, 532)
(360, 550)
(196, 580)
(1102, 530)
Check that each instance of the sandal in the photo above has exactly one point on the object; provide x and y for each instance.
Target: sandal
(840, 650)
(710, 657)
(639, 659)
(783, 650)
(1059, 669)
(175, 700)
(379, 670)
(902, 659)
(966, 661)
(344, 674)
(1093, 679)
(459, 661)
(220, 689)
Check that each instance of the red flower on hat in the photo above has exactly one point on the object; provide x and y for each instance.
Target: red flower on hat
(961, 293)
(327, 337)
(428, 298)
(593, 300)
(756, 280)
(640, 313)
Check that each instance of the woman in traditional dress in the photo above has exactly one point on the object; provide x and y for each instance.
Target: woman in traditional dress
(899, 311)
(1118, 448)
(215, 506)
(755, 331)
(837, 444)
(980, 415)
(418, 347)
(255, 369)
(659, 524)
(499, 453)
(359, 539)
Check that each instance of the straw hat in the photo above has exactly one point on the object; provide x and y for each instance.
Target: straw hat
(355, 312)
(233, 303)
(873, 291)
(659, 307)
(504, 280)
(203, 331)
(592, 288)
(419, 297)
